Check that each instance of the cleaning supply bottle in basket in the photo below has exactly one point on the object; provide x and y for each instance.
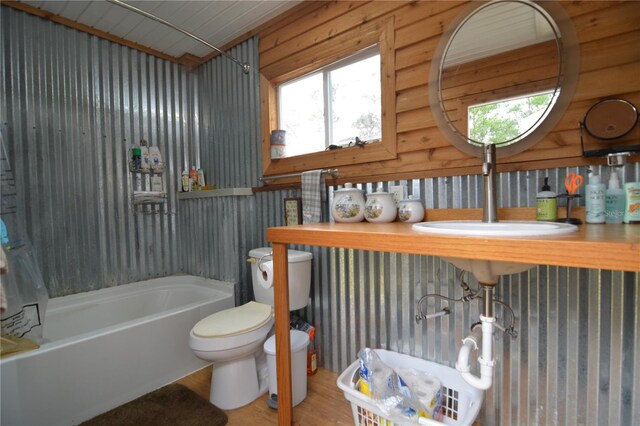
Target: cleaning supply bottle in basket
(390, 392)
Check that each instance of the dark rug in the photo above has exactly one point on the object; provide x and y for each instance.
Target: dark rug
(172, 405)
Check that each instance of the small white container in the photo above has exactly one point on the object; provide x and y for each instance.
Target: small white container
(299, 342)
(156, 183)
(145, 165)
(411, 210)
(155, 159)
(380, 207)
(186, 185)
(348, 204)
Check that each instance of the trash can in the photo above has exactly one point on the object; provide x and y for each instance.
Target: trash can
(299, 343)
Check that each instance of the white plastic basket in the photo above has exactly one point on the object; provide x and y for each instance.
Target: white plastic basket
(460, 401)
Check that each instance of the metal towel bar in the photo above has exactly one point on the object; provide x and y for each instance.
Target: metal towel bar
(266, 179)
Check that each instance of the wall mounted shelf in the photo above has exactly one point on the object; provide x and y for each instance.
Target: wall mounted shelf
(224, 192)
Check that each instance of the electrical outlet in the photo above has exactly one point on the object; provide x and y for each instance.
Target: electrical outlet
(399, 193)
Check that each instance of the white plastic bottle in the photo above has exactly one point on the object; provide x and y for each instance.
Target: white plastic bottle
(595, 199)
(200, 178)
(155, 158)
(145, 166)
(614, 200)
(186, 185)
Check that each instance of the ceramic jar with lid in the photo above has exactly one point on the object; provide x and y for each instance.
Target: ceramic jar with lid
(411, 210)
(380, 207)
(348, 204)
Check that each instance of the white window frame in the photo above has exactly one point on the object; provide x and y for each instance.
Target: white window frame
(326, 90)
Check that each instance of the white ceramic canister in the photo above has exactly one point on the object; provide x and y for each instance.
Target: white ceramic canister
(411, 210)
(380, 207)
(348, 204)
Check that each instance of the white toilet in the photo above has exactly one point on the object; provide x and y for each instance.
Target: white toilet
(233, 339)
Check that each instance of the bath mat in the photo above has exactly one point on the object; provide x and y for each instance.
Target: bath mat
(172, 405)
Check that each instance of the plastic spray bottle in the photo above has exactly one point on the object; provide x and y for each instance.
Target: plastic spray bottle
(595, 199)
(614, 200)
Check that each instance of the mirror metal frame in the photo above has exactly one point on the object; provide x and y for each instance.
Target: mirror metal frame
(569, 62)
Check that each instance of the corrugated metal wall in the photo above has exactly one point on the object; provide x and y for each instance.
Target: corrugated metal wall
(217, 233)
(576, 359)
(72, 103)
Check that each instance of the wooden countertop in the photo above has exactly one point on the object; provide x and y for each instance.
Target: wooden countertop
(615, 247)
(608, 246)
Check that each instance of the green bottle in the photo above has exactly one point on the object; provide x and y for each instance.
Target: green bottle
(546, 203)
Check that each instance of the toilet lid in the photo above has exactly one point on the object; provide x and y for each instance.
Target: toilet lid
(233, 321)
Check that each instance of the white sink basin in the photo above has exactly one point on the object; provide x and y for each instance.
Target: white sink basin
(489, 271)
(497, 229)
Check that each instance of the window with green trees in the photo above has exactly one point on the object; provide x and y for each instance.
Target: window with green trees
(507, 120)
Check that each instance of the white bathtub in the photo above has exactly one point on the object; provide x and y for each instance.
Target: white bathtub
(107, 347)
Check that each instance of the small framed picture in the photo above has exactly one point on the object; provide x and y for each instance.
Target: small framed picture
(292, 211)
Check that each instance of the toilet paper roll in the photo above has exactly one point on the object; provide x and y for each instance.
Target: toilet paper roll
(265, 274)
(426, 388)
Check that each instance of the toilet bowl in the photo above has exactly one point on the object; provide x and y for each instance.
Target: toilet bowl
(233, 339)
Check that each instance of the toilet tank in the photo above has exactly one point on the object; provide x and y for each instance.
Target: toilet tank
(299, 277)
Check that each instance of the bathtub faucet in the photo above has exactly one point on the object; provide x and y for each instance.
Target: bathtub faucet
(490, 207)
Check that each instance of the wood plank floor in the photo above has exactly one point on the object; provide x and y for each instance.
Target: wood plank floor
(324, 405)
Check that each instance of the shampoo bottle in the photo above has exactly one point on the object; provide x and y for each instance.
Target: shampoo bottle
(193, 176)
(546, 203)
(186, 186)
(595, 199)
(155, 158)
(144, 157)
(201, 178)
(614, 200)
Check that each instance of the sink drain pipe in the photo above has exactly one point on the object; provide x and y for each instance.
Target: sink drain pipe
(481, 337)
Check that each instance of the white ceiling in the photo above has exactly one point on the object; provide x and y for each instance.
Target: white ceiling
(218, 21)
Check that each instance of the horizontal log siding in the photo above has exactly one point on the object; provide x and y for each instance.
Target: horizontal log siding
(609, 36)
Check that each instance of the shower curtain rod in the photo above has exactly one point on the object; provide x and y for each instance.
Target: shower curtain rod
(245, 66)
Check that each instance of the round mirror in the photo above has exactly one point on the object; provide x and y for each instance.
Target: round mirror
(503, 74)
(611, 119)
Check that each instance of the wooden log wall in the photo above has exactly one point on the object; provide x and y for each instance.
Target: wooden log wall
(609, 37)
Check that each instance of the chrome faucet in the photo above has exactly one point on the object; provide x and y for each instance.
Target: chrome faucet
(490, 208)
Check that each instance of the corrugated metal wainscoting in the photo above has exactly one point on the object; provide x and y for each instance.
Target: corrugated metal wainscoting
(576, 359)
(72, 105)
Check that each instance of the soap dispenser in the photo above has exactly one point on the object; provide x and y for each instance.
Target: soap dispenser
(614, 200)
(546, 203)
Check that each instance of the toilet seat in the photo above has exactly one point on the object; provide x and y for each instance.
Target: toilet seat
(234, 321)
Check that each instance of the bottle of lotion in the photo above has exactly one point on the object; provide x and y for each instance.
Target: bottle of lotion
(546, 203)
(186, 186)
(632, 209)
(614, 200)
(595, 199)
(145, 164)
